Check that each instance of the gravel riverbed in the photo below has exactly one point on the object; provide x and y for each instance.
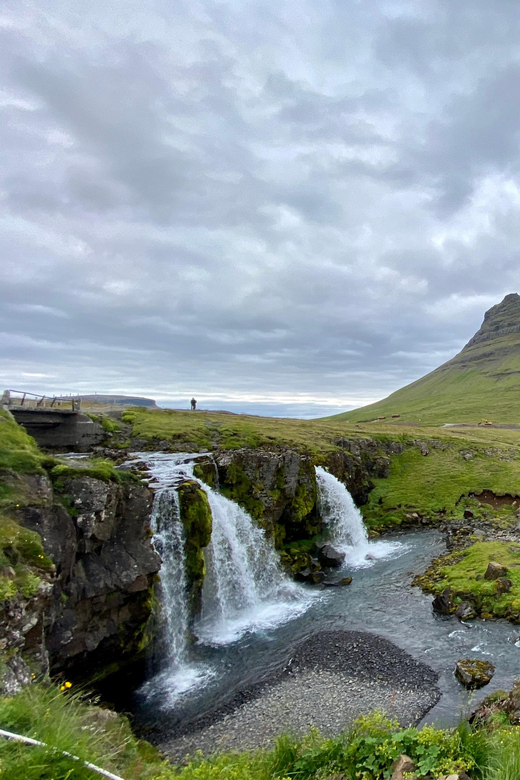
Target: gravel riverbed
(331, 678)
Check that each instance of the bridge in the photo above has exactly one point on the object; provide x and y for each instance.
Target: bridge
(55, 422)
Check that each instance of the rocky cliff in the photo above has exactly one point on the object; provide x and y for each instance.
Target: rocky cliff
(90, 606)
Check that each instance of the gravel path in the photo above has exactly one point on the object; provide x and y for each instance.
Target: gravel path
(331, 679)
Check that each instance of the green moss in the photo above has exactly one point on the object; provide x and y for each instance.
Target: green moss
(22, 555)
(244, 491)
(18, 450)
(197, 520)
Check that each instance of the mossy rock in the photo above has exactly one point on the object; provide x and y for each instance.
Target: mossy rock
(197, 520)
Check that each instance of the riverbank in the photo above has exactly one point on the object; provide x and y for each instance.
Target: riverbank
(331, 679)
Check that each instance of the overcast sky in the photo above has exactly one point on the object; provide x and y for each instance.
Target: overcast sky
(290, 207)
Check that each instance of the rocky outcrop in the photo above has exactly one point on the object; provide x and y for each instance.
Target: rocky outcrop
(357, 462)
(278, 489)
(98, 604)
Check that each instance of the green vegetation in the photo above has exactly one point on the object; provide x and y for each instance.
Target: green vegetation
(22, 560)
(197, 520)
(438, 484)
(65, 722)
(464, 571)
(18, 450)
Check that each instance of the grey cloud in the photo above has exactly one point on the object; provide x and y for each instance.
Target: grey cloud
(252, 202)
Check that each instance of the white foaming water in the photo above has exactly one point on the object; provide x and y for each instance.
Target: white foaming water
(348, 532)
(245, 588)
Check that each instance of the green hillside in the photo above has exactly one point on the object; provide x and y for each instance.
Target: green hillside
(481, 382)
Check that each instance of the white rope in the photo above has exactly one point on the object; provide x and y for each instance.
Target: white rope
(29, 741)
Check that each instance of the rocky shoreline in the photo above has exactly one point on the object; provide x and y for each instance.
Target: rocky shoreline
(331, 678)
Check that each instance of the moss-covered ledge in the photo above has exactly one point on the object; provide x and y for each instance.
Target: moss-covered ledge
(467, 587)
(197, 520)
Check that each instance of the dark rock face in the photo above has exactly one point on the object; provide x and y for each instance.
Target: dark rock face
(473, 673)
(105, 567)
(278, 489)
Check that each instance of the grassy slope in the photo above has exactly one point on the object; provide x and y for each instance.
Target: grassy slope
(66, 723)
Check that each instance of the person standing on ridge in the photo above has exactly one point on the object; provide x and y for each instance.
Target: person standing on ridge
(193, 403)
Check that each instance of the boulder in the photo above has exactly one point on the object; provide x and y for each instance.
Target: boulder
(473, 673)
(495, 570)
(402, 767)
(443, 602)
(330, 557)
(465, 611)
(307, 575)
(469, 514)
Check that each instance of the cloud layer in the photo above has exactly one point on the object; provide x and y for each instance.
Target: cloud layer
(291, 208)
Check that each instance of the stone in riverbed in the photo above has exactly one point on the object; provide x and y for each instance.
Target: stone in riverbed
(473, 673)
(329, 556)
(495, 570)
(443, 602)
(338, 583)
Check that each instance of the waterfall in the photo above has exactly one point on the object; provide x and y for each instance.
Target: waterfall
(168, 540)
(178, 675)
(345, 524)
(245, 588)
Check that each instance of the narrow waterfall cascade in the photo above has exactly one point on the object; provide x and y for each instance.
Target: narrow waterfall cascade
(245, 588)
(345, 523)
(168, 540)
(178, 674)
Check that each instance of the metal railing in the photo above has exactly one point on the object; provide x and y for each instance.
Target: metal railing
(21, 398)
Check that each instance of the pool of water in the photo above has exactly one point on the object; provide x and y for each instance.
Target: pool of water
(380, 600)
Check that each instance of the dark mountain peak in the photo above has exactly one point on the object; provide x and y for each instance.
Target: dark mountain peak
(500, 320)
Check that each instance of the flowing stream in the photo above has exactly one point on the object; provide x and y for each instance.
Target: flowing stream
(246, 633)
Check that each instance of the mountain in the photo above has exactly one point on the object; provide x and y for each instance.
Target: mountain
(482, 382)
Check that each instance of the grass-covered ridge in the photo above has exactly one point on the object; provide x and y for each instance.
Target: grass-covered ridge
(481, 382)
(440, 484)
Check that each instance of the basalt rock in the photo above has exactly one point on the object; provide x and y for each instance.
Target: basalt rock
(495, 570)
(444, 602)
(330, 557)
(101, 597)
(278, 489)
(196, 517)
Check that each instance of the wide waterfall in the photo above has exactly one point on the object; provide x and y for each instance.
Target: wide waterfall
(245, 588)
(345, 524)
